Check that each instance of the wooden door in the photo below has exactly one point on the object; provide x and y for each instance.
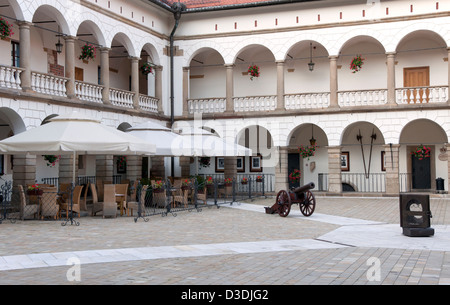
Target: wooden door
(79, 74)
(417, 77)
(293, 163)
(421, 173)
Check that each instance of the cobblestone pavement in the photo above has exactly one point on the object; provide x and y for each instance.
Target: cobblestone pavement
(346, 241)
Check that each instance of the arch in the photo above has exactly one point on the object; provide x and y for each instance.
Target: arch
(425, 27)
(191, 53)
(316, 40)
(13, 119)
(364, 129)
(430, 35)
(152, 52)
(124, 126)
(57, 15)
(92, 26)
(16, 9)
(249, 47)
(423, 131)
(125, 40)
(48, 118)
(301, 135)
(366, 35)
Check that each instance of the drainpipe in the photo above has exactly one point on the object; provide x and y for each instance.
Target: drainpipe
(177, 8)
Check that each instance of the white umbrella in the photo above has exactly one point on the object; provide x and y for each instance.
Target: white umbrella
(157, 134)
(75, 134)
(199, 142)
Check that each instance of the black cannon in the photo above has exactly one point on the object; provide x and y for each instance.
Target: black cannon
(301, 195)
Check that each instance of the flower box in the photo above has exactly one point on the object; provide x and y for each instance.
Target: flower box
(158, 190)
(35, 192)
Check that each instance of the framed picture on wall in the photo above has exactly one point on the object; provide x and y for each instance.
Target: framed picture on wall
(240, 164)
(220, 164)
(383, 161)
(256, 164)
(345, 161)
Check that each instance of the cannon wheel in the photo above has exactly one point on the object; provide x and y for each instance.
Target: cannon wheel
(307, 207)
(284, 202)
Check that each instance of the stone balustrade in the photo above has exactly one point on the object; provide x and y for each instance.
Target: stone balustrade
(207, 105)
(148, 103)
(255, 103)
(307, 100)
(356, 98)
(88, 92)
(10, 77)
(121, 98)
(421, 95)
(48, 84)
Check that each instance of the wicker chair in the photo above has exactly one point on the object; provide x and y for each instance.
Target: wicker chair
(121, 189)
(134, 205)
(109, 205)
(27, 211)
(49, 203)
(75, 207)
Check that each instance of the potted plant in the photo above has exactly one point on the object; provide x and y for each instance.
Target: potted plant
(307, 151)
(244, 181)
(158, 186)
(146, 68)
(87, 52)
(253, 71)
(209, 182)
(421, 152)
(51, 159)
(356, 63)
(228, 181)
(5, 29)
(185, 184)
(35, 190)
(259, 178)
(295, 176)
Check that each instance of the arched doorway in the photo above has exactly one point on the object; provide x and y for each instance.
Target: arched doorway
(419, 173)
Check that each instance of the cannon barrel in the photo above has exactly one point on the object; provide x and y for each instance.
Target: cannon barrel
(304, 188)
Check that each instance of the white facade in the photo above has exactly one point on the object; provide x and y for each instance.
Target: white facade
(213, 52)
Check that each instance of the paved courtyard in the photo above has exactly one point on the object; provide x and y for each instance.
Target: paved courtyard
(348, 240)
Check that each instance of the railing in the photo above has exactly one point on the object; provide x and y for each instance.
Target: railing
(209, 105)
(322, 182)
(421, 95)
(148, 103)
(121, 98)
(269, 181)
(88, 92)
(10, 77)
(255, 103)
(48, 84)
(405, 182)
(362, 97)
(307, 100)
(360, 182)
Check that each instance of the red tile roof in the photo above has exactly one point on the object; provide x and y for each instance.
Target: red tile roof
(192, 4)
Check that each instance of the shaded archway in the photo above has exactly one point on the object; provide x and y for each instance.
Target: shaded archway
(362, 153)
(304, 138)
(420, 173)
(207, 75)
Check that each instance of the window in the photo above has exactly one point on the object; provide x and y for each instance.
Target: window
(15, 54)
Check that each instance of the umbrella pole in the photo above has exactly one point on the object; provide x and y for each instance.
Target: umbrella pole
(73, 168)
(72, 221)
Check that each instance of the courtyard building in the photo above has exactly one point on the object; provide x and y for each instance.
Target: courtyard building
(353, 94)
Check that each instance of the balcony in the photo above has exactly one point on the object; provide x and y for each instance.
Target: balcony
(321, 100)
(52, 85)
